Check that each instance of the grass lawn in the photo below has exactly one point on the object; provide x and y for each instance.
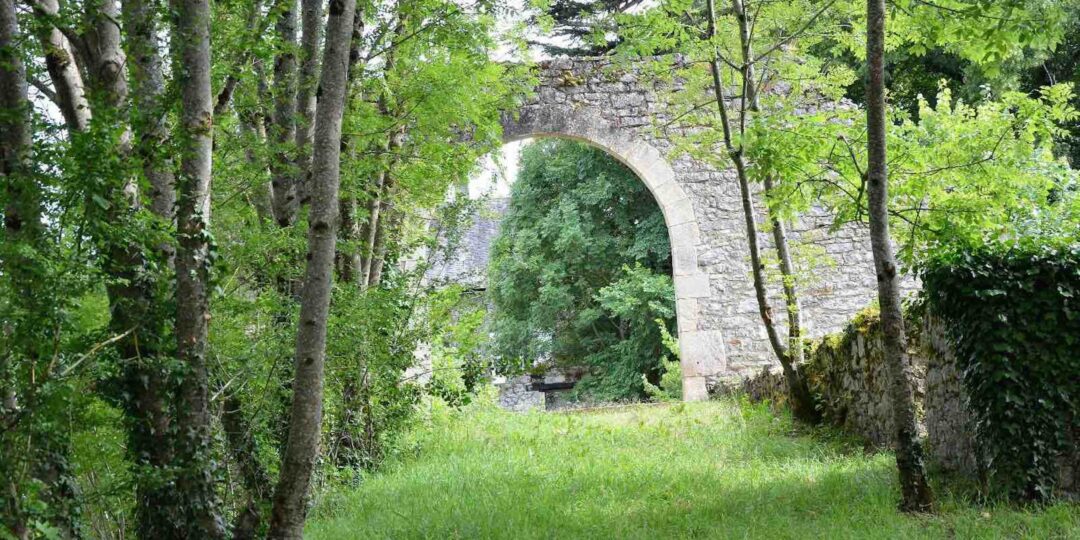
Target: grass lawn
(706, 470)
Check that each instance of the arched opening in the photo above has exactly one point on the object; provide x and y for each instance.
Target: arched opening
(698, 353)
(582, 306)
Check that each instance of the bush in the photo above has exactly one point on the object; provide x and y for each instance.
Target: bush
(1013, 314)
(670, 387)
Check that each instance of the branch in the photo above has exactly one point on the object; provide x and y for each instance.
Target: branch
(796, 34)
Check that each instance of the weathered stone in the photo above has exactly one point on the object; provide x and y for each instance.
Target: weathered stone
(847, 373)
(587, 99)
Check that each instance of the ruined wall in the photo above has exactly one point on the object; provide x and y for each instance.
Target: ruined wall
(847, 371)
(720, 332)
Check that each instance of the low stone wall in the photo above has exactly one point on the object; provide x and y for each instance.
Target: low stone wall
(516, 394)
(847, 373)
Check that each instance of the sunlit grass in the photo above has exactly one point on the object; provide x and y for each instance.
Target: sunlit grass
(709, 470)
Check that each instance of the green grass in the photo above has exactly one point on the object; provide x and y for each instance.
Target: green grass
(709, 470)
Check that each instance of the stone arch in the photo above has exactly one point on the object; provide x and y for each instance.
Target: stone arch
(587, 125)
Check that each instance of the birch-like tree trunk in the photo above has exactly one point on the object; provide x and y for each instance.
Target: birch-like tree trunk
(283, 133)
(63, 69)
(148, 114)
(914, 488)
(310, 19)
(301, 451)
(195, 488)
(18, 225)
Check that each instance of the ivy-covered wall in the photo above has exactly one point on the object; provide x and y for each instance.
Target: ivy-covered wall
(846, 372)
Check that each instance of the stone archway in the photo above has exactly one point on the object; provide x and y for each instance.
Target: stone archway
(587, 125)
(720, 331)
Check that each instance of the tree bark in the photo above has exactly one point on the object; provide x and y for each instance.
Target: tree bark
(387, 228)
(369, 230)
(290, 498)
(779, 230)
(914, 488)
(349, 264)
(148, 115)
(196, 487)
(106, 56)
(311, 15)
(19, 223)
(286, 203)
(62, 67)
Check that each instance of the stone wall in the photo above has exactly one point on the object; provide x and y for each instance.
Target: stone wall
(516, 394)
(720, 331)
(847, 371)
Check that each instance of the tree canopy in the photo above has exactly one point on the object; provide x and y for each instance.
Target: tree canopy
(581, 271)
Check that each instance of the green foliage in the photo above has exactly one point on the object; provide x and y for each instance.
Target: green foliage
(959, 174)
(1012, 310)
(670, 387)
(581, 270)
(988, 32)
(696, 470)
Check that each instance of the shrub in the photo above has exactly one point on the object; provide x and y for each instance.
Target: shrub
(670, 386)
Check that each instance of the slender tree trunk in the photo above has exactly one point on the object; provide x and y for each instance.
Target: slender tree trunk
(253, 129)
(134, 301)
(914, 488)
(349, 263)
(779, 230)
(801, 400)
(286, 203)
(148, 115)
(370, 230)
(387, 229)
(197, 471)
(20, 221)
(311, 15)
(290, 498)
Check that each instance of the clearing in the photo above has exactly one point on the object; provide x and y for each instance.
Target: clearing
(703, 470)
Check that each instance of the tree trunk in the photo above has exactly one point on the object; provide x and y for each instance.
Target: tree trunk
(290, 498)
(801, 401)
(62, 67)
(370, 230)
(19, 224)
(148, 115)
(262, 198)
(311, 13)
(349, 263)
(286, 203)
(387, 228)
(196, 482)
(915, 491)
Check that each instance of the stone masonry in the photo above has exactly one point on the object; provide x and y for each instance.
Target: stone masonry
(847, 373)
(720, 333)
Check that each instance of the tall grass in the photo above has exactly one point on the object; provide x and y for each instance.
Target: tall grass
(708, 470)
